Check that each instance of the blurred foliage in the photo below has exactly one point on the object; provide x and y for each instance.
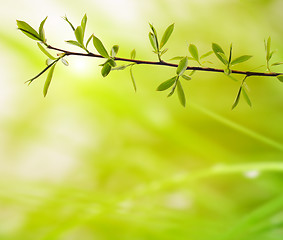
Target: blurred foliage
(95, 160)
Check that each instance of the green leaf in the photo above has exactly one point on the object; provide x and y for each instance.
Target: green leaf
(237, 98)
(182, 66)
(267, 48)
(246, 97)
(111, 62)
(206, 54)
(218, 51)
(152, 41)
(67, 20)
(28, 30)
(181, 94)
(75, 43)
(271, 54)
(163, 51)
(194, 52)
(122, 67)
(277, 64)
(177, 58)
(99, 47)
(186, 77)
(216, 48)
(230, 54)
(49, 61)
(48, 80)
(280, 78)
(153, 31)
(241, 59)
(114, 50)
(166, 35)
(133, 79)
(167, 84)
(41, 31)
(106, 69)
(83, 23)
(133, 54)
(222, 57)
(79, 35)
(91, 36)
(45, 51)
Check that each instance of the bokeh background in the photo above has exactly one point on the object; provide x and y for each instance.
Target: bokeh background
(95, 160)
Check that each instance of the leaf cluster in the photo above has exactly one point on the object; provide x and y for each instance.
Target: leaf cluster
(156, 45)
(41, 40)
(227, 60)
(175, 82)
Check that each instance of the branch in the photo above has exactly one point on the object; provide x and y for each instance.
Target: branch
(163, 63)
(175, 82)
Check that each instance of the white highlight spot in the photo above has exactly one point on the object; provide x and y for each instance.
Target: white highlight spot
(252, 174)
(178, 201)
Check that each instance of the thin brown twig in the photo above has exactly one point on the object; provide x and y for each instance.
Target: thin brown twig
(163, 63)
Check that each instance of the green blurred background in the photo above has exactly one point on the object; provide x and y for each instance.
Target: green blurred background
(94, 160)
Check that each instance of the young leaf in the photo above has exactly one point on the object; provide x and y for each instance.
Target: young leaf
(28, 30)
(152, 41)
(65, 62)
(216, 48)
(153, 31)
(133, 54)
(230, 55)
(194, 52)
(206, 54)
(192, 72)
(177, 58)
(133, 79)
(167, 84)
(267, 48)
(271, 54)
(280, 78)
(181, 94)
(246, 97)
(48, 80)
(83, 23)
(79, 35)
(173, 88)
(99, 47)
(277, 64)
(106, 69)
(74, 43)
(45, 51)
(237, 98)
(41, 31)
(49, 61)
(67, 20)
(186, 77)
(241, 59)
(163, 51)
(122, 67)
(114, 50)
(182, 66)
(89, 40)
(166, 35)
